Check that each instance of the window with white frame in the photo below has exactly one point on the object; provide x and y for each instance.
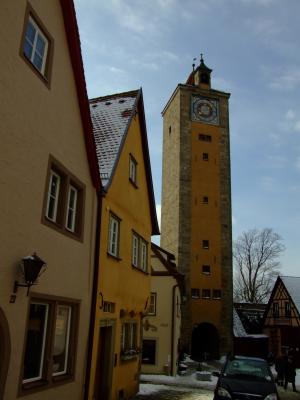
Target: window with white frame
(64, 201)
(53, 195)
(132, 169)
(144, 255)
(139, 252)
(129, 338)
(61, 339)
(113, 236)
(51, 330)
(135, 250)
(36, 45)
(152, 305)
(71, 208)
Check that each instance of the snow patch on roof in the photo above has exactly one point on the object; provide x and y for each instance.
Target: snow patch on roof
(292, 284)
(238, 329)
(110, 117)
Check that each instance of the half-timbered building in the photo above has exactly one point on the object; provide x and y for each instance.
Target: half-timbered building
(282, 317)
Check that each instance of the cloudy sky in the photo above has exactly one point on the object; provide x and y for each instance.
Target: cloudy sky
(253, 48)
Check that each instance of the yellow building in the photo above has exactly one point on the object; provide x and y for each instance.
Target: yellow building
(49, 181)
(127, 222)
(196, 209)
(161, 326)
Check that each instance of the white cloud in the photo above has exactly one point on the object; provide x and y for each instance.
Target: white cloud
(297, 126)
(290, 114)
(263, 27)
(233, 220)
(268, 183)
(276, 161)
(286, 80)
(116, 70)
(259, 2)
(298, 163)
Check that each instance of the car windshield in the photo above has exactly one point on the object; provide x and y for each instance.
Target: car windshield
(248, 369)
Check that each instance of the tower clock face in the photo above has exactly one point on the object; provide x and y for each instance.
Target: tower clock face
(205, 110)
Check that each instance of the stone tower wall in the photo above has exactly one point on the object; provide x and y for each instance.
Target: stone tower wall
(176, 227)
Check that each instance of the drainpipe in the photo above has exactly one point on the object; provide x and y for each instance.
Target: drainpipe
(94, 297)
(173, 328)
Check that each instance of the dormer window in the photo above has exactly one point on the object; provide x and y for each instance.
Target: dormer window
(132, 170)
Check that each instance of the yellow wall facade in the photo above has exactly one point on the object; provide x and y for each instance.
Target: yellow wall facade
(120, 283)
(205, 221)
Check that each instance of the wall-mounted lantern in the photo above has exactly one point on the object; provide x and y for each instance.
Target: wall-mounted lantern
(31, 267)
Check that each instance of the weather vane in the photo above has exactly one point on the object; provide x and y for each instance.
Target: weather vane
(194, 59)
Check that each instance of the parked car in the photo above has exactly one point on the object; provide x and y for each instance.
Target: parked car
(245, 378)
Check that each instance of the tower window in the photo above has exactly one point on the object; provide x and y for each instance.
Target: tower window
(205, 244)
(195, 293)
(205, 293)
(204, 138)
(206, 269)
(204, 78)
(205, 200)
(170, 129)
(205, 156)
(216, 294)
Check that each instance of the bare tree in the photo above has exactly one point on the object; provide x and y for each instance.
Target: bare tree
(256, 255)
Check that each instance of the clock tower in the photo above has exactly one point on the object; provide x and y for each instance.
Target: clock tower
(196, 210)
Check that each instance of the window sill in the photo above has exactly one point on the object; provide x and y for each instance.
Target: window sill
(139, 269)
(36, 386)
(133, 183)
(128, 357)
(40, 75)
(117, 258)
(62, 229)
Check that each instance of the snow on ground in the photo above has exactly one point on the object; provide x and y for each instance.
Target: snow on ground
(153, 383)
(178, 380)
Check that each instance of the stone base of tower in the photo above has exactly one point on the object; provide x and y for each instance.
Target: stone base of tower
(205, 340)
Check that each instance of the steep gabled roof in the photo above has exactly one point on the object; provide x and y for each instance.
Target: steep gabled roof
(71, 28)
(238, 327)
(111, 117)
(292, 284)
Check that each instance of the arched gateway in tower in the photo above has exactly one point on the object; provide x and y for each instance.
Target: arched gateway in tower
(196, 209)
